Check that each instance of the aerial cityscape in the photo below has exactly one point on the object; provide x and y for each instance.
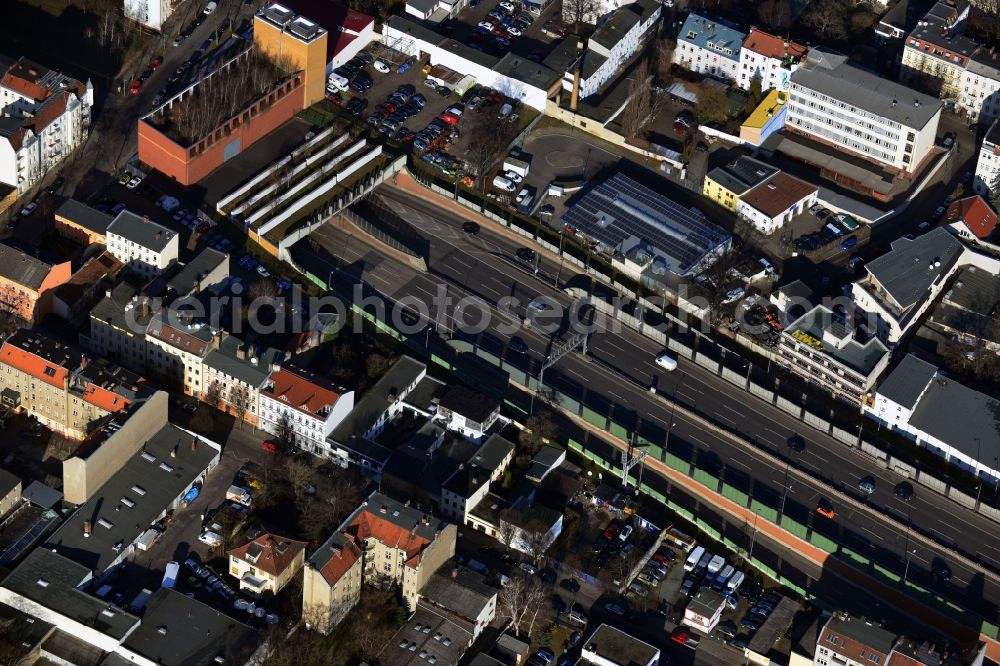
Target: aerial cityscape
(500, 332)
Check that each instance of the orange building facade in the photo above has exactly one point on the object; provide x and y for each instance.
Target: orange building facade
(26, 283)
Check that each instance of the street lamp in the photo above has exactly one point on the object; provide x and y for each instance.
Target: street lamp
(906, 570)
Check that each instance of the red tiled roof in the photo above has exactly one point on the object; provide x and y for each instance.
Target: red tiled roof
(306, 394)
(772, 46)
(33, 365)
(340, 561)
(975, 213)
(777, 194)
(107, 400)
(276, 552)
(370, 525)
(180, 340)
(23, 86)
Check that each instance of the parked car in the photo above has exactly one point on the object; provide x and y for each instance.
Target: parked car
(269, 447)
(570, 585)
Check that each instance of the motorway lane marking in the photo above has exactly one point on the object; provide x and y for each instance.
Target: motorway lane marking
(873, 533)
(732, 461)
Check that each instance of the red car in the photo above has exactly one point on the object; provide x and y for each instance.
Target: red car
(136, 85)
(269, 447)
(155, 62)
(335, 98)
(448, 118)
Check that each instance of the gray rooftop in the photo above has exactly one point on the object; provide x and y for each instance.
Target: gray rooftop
(985, 64)
(422, 6)
(527, 71)
(150, 481)
(820, 321)
(141, 231)
(964, 418)
(974, 289)
(21, 268)
(935, 28)
(462, 591)
(742, 174)
(225, 360)
(430, 633)
(492, 453)
(907, 381)
(471, 404)
(706, 602)
(425, 392)
(616, 27)
(590, 63)
(621, 648)
(828, 72)
(908, 270)
(544, 462)
(619, 213)
(178, 631)
(42, 495)
(376, 400)
(712, 35)
(52, 580)
(562, 56)
(185, 281)
(85, 216)
(858, 629)
(414, 29)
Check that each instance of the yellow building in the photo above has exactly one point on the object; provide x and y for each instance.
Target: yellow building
(267, 563)
(768, 117)
(726, 184)
(290, 38)
(82, 224)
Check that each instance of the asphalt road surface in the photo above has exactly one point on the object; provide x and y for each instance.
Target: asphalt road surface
(620, 368)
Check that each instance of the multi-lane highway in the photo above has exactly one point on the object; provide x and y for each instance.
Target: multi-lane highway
(619, 368)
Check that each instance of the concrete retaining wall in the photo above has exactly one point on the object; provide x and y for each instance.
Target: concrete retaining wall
(989, 511)
(925, 479)
(787, 405)
(815, 421)
(906, 470)
(707, 363)
(761, 392)
(873, 451)
(967, 501)
(737, 378)
(681, 349)
(844, 436)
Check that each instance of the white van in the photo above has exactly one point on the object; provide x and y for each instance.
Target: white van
(734, 583)
(692, 561)
(336, 83)
(667, 362)
(715, 564)
(210, 7)
(504, 184)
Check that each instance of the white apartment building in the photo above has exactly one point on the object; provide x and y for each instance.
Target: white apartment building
(150, 13)
(979, 96)
(858, 112)
(769, 58)
(987, 180)
(609, 646)
(848, 641)
(44, 116)
(144, 246)
(952, 420)
(936, 52)
(176, 351)
(304, 408)
(709, 47)
(617, 40)
(233, 376)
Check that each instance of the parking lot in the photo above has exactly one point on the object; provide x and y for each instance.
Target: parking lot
(535, 40)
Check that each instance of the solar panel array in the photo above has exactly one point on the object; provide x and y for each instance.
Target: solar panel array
(620, 208)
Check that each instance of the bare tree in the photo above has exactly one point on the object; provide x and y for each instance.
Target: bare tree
(664, 54)
(775, 14)
(519, 600)
(239, 402)
(826, 17)
(285, 433)
(506, 529)
(300, 476)
(539, 428)
(637, 114)
(493, 135)
(535, 539)
(579, 11)
(713, 105)
(213, 396)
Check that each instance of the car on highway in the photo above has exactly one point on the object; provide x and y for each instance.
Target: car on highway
(471, 228)
(941, 570)
(525, 254)
(797, 443)
(667, 362)
(518, 345)
(825, 509)
(903, 490)
(867, 485)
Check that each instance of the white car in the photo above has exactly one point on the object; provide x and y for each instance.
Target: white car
(263, 271)
(210, 539)
(667, 362)
(522, 195)
(504, 184)
(455, 110)
(514, 31)
(134, 183)
(486, 25)
(513, 177)
(380, 67)
(507, 6)
(766, 264)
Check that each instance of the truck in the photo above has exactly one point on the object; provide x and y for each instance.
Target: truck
(147, 539)
(170, 575)
(719, 584)
(140, 600)
(240, 495)
(734, 582)
(190, 496)
(467, 83)
(693, 557)
(514, 165)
